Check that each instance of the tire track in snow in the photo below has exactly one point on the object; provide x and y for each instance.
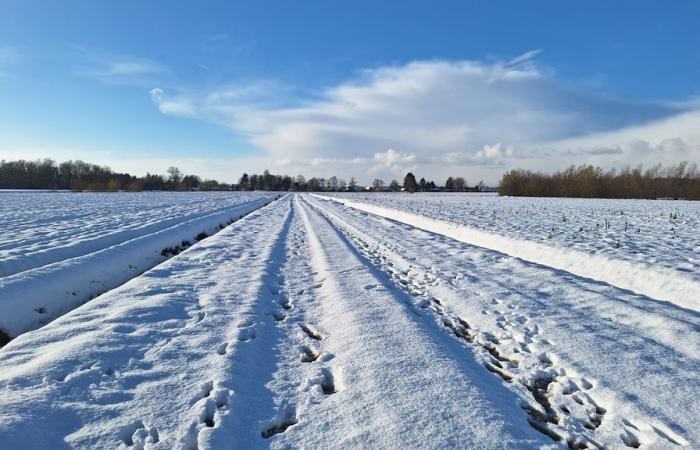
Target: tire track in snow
(301, 360)
(237, 396)
(559, 404)
(387, 358)
(281, 371)
(658, 284)
(143, 362)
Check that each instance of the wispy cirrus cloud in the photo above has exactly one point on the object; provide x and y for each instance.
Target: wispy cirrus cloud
(119, 69)
(444, 117)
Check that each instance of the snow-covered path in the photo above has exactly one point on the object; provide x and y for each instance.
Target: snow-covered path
(618, 363)
(309, 324)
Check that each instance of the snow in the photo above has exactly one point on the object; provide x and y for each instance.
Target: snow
(57, 261)
(662, 233)
(313, 324)
(633, 358)
(40, 228)
(593, 259)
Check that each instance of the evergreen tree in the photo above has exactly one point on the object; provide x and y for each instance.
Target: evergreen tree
(409, 183)
(244, 182)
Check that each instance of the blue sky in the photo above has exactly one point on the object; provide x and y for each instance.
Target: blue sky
(352, 88)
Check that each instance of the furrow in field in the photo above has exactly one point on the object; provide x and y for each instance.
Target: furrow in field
(400, 381)
(283, 378)
(149, 364)
(24, 257)
(590, 362)
(654, 282)
(34, 297)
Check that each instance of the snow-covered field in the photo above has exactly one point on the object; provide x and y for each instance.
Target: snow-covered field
(61, 249)
(664, 233)
(386, 322)
(594, 238)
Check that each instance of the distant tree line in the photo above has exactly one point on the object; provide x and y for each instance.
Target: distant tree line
(452, 184)
(681, 181)
(81, 176)
(272, 182)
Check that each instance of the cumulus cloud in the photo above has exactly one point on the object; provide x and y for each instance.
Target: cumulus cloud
(499, 151)
(443, 117)
(393, 162)
(174, 105)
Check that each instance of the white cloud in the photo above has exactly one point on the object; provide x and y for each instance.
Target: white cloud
(525, 57)
(119, 69)
(439, 118)
(393, 162)
(129, 67)
(173, 105)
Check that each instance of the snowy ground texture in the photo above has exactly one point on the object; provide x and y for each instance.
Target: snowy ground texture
(664, 233)
(313, 324)
(61, 249)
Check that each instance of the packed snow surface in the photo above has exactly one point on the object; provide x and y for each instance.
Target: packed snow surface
(313, 324)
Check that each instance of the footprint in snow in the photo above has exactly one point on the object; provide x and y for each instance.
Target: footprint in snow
(323, 379)
(246, 334)
(308, 354)
(280, 425)
(311, 332)
(222, 349)
(137, 435)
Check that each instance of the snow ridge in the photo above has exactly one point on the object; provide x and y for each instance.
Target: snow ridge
(654, 282)
(561, 402)
(34, 297)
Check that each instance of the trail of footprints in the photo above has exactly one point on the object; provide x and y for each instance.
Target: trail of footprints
(212, 400)
(321, 377)
(559, 404)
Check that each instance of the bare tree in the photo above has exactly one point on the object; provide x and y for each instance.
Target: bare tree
(450, 184)
(333, 183)
(174, 175)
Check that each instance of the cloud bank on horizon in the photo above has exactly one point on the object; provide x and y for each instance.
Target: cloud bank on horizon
(365, 89)
(439, 118)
